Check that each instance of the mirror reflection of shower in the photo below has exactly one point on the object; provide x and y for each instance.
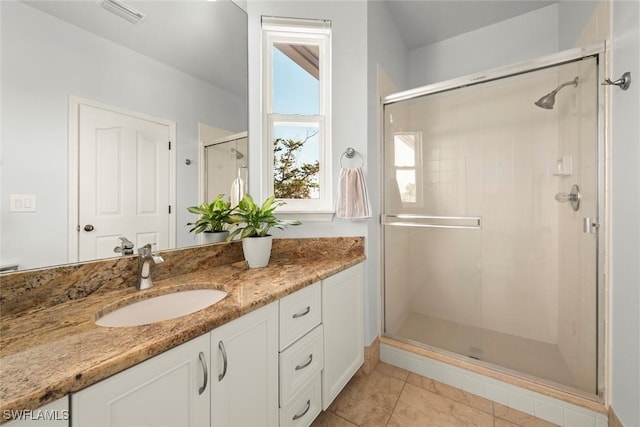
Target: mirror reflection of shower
(549, 99)
(225, 162)
(239, 155)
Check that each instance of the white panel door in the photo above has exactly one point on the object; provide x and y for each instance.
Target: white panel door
(124, 181)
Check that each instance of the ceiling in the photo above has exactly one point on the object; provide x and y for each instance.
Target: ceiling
(207, 40)
(426, 22)
(197, 36)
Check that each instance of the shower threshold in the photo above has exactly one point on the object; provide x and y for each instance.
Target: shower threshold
(530, 357)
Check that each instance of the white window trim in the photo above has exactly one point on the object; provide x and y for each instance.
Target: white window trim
(417, 168)
(324, 181)
(299, 31)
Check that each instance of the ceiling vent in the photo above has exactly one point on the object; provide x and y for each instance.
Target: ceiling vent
(123, 10)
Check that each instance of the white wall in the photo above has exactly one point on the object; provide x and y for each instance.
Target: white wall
(387, 73)
(44, 61)
(573, 15)
(625, 198)
(523, 37)
(348, 110)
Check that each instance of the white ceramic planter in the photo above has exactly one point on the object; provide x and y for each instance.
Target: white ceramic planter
(257, 250)
(214, 236)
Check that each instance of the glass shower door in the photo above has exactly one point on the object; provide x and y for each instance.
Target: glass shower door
(433, 244)
(487, 253)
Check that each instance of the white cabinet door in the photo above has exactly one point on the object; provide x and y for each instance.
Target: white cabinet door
(168, 390)
(244, 361)
(342, 317)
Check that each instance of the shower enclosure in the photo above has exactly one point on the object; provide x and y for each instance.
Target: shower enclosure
(490, 223)
(224, 160)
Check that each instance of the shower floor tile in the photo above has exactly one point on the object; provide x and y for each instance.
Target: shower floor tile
(540, 359)
(391, 396)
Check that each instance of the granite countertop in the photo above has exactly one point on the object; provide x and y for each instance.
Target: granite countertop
(48, 352)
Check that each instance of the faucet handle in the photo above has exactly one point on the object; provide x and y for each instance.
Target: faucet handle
(125, 248)
(126, 243)
(145, 250)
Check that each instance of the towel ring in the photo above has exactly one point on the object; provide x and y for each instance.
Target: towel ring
(350, 153)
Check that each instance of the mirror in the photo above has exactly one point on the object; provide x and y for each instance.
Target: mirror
(185, 63)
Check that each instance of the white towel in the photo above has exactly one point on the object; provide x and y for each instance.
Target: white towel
(238, 189)
(353, 199)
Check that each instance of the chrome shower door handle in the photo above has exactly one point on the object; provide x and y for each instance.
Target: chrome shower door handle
(573, 197)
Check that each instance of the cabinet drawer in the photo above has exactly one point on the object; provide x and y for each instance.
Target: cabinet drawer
(299, 363)
(299, 313)
(304, 407)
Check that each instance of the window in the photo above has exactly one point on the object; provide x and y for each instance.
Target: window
(406, 151)
(296, 94)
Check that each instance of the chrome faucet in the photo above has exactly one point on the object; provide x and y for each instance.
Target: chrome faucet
(145, 259)
(125, 248)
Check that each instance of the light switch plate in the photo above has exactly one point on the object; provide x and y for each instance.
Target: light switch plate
(22, 203)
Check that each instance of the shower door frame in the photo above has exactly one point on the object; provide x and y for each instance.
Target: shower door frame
(598, 51)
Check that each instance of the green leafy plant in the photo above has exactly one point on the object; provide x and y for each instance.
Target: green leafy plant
(251, 220)
(214, 216)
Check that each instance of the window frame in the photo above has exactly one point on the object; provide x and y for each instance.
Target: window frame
(417, 167)
(304, 32)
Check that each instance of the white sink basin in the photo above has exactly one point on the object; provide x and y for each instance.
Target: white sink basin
(163, 307)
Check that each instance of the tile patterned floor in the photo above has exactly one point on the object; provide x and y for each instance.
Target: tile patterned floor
(393, 397)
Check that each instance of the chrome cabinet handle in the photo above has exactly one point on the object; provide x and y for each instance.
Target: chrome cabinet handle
(224, 361)
(306, 364)
(298, 416)
(203, 362)
(304, 313)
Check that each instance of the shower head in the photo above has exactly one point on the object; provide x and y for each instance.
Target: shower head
(549, 99)
(239, 155)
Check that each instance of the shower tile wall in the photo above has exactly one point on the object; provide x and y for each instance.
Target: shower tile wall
(493, 152)
(397, 300)
(577, 295)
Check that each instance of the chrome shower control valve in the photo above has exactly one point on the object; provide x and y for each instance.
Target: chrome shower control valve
(573, 197)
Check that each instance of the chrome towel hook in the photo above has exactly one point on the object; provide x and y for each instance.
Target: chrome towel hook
(623, 82)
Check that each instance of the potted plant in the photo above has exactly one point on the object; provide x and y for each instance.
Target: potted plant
(252, 223)
(214, 219)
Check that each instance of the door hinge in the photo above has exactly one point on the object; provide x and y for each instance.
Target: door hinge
(169, 145)
(169, 208)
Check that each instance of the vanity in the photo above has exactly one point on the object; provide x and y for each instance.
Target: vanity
(275, 351)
